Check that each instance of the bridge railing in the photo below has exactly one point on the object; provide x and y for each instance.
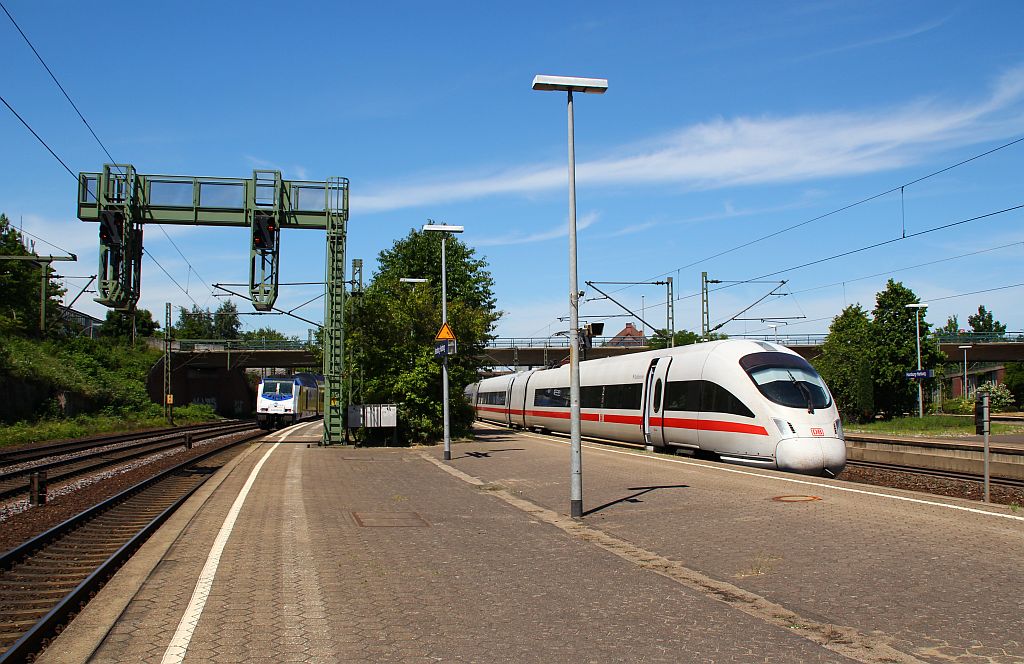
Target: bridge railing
(970, 338)
(563, 342)
(221, 345)
(555, 342)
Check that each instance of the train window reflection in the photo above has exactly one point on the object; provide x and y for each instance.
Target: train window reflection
(277, 387)
(795, 387)
(491, 398)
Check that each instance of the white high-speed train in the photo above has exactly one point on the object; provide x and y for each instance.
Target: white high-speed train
(747, 402)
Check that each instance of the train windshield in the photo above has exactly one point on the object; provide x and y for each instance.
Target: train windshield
(787, 380)
(277, 387)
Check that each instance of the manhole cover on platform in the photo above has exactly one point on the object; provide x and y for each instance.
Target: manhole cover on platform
(795, 499)
(389, 520)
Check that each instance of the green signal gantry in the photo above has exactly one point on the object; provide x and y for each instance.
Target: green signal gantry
(123, 201)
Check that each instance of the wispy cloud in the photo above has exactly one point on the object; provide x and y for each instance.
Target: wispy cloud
(515, 238)
(300, 172)
(747, 150)
(881, 39)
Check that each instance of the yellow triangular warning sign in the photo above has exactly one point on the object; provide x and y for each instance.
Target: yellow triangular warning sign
(445, 334)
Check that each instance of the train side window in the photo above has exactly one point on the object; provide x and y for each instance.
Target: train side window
(716, 399)
(623, 397)
(657, 395)
(491, 398)
(682, 395)
(590, 396)
(552, 397)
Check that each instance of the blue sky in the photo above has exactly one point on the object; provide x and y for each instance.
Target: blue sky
(723, 123)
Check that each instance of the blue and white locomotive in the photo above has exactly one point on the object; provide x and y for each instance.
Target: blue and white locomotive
(284, 400)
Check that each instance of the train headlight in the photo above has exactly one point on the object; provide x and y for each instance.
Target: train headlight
(785, 428)
(838, 426)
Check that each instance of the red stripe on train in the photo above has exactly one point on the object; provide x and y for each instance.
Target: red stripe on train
(668, 422)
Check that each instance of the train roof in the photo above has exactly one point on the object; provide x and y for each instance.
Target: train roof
(308, 379)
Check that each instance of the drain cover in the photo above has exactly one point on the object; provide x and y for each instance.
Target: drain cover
(795, 499)
(389, 520)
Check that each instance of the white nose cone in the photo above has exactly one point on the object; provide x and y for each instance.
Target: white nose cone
(811, 456)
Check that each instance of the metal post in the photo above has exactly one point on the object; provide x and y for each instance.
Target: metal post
(988, 426)
(705, 315)
(42, 300)
(576, 453)
(963, 390)
(168, 406)
(670, 313)
(37, 488)
(920, 385)
(444, 362)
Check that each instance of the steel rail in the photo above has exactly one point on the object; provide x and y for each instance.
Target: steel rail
(108, 458)
(945, 474)
(33, 639)
(42, 451)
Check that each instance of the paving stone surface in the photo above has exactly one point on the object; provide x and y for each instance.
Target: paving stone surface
(472, 579)
(943, 584)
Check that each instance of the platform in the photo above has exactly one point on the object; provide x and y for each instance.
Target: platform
(392, 555)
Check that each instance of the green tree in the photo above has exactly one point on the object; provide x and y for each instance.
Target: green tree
(983, 322)
(118, 324)
(391, 327)
(265, 333)
(682, 338)
(894, 336)
(194, 324)
(846, 364)
(19, 287)
(951, 328)
(1014, 381)
(226, 323)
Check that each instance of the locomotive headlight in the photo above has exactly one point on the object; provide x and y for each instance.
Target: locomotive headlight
(785, 428)
(838, 426)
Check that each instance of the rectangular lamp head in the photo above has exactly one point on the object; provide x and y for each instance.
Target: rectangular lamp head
(412, 280)
(570, 84)
(442, 228)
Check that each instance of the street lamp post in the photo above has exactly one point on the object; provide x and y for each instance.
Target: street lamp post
(775, 333)
(964, 386)
(444, 229)
(920, 390)
(569, 85)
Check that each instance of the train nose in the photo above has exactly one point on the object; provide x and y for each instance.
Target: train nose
(811, 456)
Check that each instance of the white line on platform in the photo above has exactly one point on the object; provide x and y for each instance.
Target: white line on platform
(175, 653)
(792, 480)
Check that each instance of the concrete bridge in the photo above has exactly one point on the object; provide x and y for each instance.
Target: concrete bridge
(542, 352)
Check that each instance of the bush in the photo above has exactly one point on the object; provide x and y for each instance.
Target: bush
(958, 406)
(1000, 398)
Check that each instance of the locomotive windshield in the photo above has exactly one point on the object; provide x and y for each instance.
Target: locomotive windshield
(787, 380)
(277, 387)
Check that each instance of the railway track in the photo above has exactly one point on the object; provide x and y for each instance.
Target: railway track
(34, 452)
(44, 581)
(82, 457)
(968, 477)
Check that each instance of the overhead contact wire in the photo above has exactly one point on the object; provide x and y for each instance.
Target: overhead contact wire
(91, 131)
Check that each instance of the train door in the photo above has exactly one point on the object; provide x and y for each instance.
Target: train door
(508, 402)
(654, 396)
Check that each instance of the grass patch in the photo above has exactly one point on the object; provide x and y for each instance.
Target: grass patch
(22, 433)
(947, 426)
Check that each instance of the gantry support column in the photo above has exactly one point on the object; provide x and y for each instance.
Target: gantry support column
(334, 313)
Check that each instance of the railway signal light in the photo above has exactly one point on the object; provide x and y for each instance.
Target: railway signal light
(111, 224)
(264, 230)
(980, 415)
